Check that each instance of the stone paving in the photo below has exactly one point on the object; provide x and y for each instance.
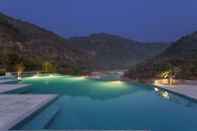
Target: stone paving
(15, 108)
(7, 80)
(185, 90)
(9, 87)
(82, 130)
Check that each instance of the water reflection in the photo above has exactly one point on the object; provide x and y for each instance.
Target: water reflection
(98, 90)
(77, 87)
(156, 89)
(175, 98)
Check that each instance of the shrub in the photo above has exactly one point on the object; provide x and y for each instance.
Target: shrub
(48, 68)
(2, 71)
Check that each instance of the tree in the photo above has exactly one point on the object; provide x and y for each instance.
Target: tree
(48, 67)
(170, 73)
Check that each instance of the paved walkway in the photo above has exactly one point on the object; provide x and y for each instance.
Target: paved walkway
(185, 90)
(7, 81)
(83, 130)
(9, 87)
(15, 108)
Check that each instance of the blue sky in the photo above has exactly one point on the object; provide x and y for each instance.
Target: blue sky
(143, 20)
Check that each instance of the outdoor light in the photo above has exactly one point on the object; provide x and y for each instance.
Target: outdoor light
(19, 69)
(116, 82)
(35, 76)
(51, 75)
(19, 75)
(156, 82)
(80, 78)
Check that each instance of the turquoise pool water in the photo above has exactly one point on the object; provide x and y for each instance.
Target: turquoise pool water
(89, 104)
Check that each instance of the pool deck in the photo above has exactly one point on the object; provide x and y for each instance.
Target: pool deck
(9, 87)
(7, 80)
(81, 130)
(15, 108)
(186, 90)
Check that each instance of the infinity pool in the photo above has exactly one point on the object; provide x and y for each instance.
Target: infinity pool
(89, 104)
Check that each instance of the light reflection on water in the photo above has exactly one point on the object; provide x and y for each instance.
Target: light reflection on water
(89, 104)
(77, 86)
(103, 90)
(82, 86)
(175, 98)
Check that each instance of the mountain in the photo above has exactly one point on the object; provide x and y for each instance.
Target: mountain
(181, 55)
(115, 52)
(22, 42)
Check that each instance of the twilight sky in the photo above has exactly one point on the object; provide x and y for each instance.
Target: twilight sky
(143, 20)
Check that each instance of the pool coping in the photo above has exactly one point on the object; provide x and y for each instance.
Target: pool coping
(4, 88)
(175, 91)
(79, 130)
(7, 81)
(12, 119)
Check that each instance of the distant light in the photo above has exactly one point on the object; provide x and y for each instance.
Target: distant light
(116, 82)
(38, 76)
(35, 77)
(51, 75)
(79, 78)
(156, 82)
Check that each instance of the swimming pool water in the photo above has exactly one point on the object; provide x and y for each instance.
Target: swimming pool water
(89, 104)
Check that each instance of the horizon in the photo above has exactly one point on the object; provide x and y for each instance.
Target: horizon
(151, 23)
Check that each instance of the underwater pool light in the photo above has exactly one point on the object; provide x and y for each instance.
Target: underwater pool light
(35, 77)
(79, 78)
(51, 75)
(116, 82)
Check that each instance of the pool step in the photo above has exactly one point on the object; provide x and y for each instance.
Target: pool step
(42, 119)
